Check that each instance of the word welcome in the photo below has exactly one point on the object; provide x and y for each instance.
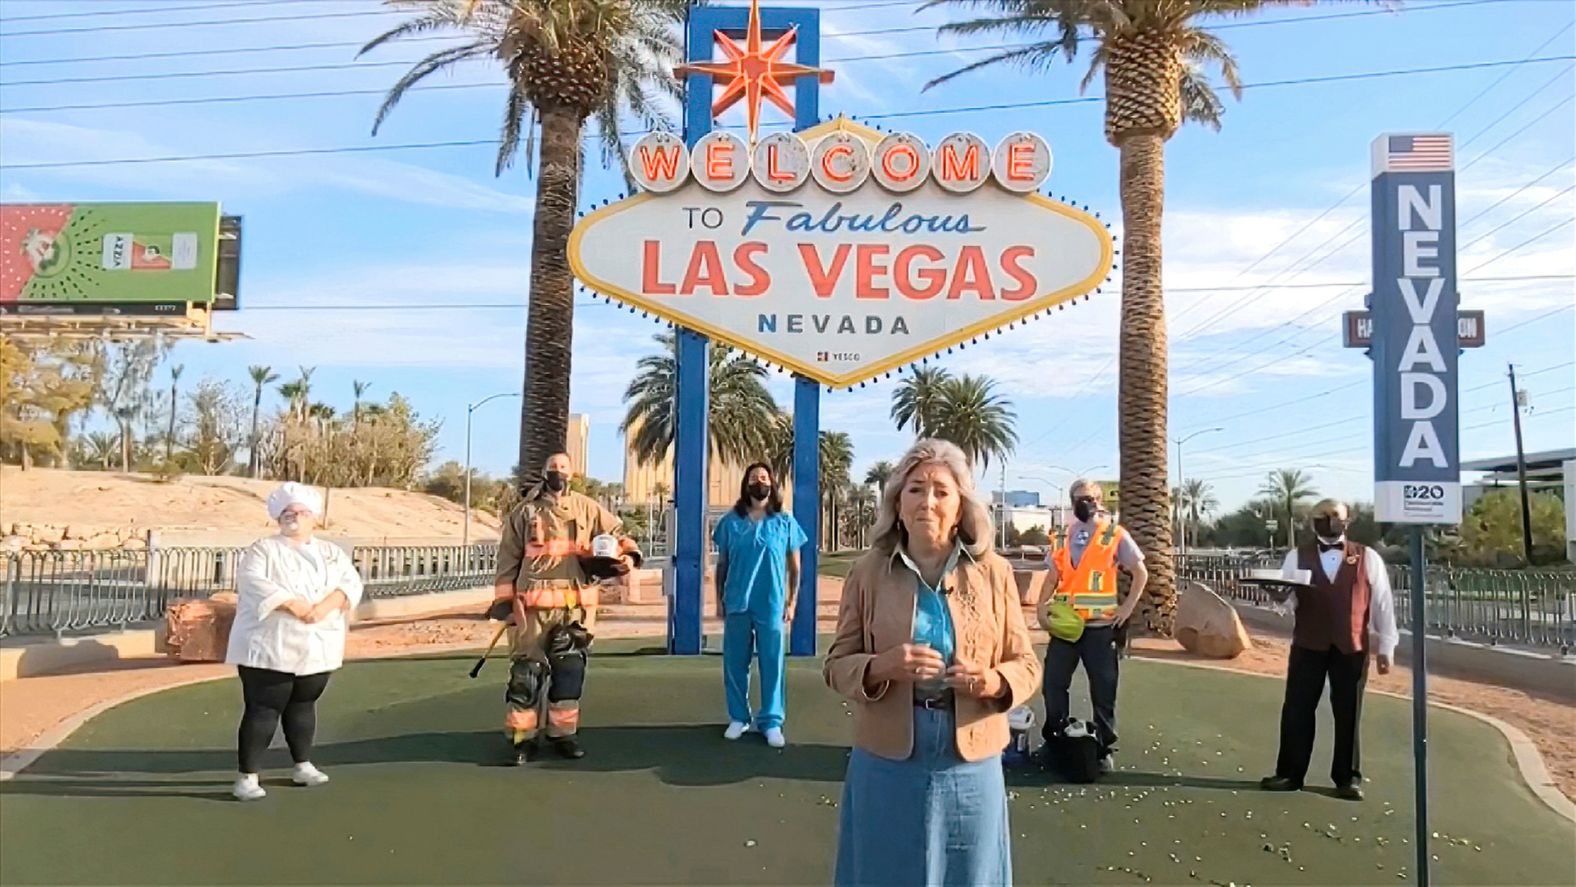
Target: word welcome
(840, 162)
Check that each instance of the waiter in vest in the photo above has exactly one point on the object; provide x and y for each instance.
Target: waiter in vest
(1350, 596)
(1083, 577)
(542, 587)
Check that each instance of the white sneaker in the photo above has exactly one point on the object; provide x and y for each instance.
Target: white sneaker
(247, 789)
(735, 730)
(1107, 764)
(308, 775)
(775, 738)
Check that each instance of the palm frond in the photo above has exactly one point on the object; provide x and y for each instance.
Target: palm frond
(517, 108)
(421, 70)
(1200, 103)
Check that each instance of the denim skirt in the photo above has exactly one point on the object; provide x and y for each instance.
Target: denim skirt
(932, 819)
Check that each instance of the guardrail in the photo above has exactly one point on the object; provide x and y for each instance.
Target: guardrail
(1532, 607)
(58, 592)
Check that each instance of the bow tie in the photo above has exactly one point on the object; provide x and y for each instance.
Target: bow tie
(1331, 546)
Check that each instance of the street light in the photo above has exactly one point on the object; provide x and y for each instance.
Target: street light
(1182, 480)
(465, 535)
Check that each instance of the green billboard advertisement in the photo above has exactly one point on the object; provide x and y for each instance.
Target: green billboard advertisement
(81, 253)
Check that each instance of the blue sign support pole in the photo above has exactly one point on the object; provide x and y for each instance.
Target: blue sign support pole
(691, 455)
(1417, 468)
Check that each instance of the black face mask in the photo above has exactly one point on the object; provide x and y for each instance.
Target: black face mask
(1085, 509)
(555, 481)
(760, 492)
(1329, 527)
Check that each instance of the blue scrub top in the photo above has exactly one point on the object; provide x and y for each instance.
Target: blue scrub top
(757, 554)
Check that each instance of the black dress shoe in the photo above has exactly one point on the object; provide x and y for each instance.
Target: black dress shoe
(1349, 792)
(1279, 784)
(567, 747)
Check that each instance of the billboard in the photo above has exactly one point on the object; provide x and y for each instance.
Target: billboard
(841, 252)
(1417, 460)
(64, 255)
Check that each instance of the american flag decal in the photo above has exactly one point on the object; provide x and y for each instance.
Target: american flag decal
(1422, 153)
(823, 356)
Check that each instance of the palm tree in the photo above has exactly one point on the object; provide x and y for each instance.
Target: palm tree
(741, 410)
(169, 436)
(973, 416)
(1195, 499)
(1286, 487)
(1152, 53)
(101, 447)
(567, 63)
(879, 473)
(835, 454)
(360, 389)
(306, 388)
(294, 394)
(917, 399)
(261, 375)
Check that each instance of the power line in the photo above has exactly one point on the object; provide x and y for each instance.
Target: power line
(205, 7)
(210, 22)
(1497, 382)
(1528, 241)
(1524, 213)
(474, 142)
(1546, 314)
(473, 306)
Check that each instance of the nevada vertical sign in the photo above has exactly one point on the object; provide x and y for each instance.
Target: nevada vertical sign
(1417, 477)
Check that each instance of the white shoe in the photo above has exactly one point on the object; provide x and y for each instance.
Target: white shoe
(308, 775)
(775, 738)
(735, 730)
(247, 789)
(1107, 764)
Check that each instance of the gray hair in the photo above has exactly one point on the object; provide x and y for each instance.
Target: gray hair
(1085, 485)
(975, 528)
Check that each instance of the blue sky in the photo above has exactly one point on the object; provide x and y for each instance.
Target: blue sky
(1260, 202)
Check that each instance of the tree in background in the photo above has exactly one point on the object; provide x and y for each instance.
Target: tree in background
(741, 413)
(1286, 487)
(260, 376)
(917, 400)
(1195, 500)
(980, 421)
(42, 387)
(879, 473)
(169, 434)
(566, 63)
(1152, 53)
(216, 418)
(361, 388)
(1491, 531)
(124, 387)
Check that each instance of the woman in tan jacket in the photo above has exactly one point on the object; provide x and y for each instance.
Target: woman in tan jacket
(933, 650)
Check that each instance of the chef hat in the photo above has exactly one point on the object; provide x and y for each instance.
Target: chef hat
(292, 493)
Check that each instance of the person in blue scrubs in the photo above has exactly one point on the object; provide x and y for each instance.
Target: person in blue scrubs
(757, 578)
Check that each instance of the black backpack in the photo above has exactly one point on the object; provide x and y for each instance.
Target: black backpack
(1076, 758)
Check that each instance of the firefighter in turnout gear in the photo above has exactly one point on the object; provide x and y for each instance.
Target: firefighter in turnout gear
(1080, 608)
(546, 586)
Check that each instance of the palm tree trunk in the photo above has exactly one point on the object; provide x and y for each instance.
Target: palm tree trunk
(169, 437)
(257, 405)
(1142, 390)
(549, 325)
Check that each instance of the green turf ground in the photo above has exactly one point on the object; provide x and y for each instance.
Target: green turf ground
(140, 794)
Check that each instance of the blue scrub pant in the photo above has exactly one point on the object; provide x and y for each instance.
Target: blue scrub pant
(743, 634)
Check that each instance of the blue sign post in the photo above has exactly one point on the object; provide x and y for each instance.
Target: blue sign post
(691, 450)
(1417, 462)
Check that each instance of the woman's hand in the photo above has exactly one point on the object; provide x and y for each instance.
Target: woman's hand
(336, 601)
(300, 609)
(976, 681)
(907, 663)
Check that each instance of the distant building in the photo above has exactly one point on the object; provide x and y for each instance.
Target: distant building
(1017, 498)
(642, 482)
(576, 442)
(1551, 471)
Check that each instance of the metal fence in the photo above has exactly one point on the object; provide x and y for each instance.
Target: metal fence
(1532, 607)
(58, 592)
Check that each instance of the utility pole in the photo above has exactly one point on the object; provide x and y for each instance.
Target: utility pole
(1521, 468)
(1003, 506)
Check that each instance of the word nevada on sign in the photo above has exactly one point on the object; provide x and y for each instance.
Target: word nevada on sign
(841, 252)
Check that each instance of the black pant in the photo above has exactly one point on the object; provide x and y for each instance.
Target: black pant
(271, 696)
(1097, 650)
(1306, 672)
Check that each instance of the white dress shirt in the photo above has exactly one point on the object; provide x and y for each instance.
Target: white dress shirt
(1381, 603)
(273, 571)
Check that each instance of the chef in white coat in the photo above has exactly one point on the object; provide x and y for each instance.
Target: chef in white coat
(296, 594)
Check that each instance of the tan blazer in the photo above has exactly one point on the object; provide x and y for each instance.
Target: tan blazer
(877, 614)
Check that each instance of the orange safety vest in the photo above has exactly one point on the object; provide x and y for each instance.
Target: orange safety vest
(1090, 587)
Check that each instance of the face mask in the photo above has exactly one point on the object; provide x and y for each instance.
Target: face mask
(760, 492)
(1085, 509)
(1329, 527)
(555, 481)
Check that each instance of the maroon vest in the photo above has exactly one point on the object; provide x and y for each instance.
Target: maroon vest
(1333, 613)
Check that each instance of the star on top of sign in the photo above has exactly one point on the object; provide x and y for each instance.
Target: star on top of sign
(753, 72)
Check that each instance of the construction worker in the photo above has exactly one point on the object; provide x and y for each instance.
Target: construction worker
(1080, 609)
(546, 587)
